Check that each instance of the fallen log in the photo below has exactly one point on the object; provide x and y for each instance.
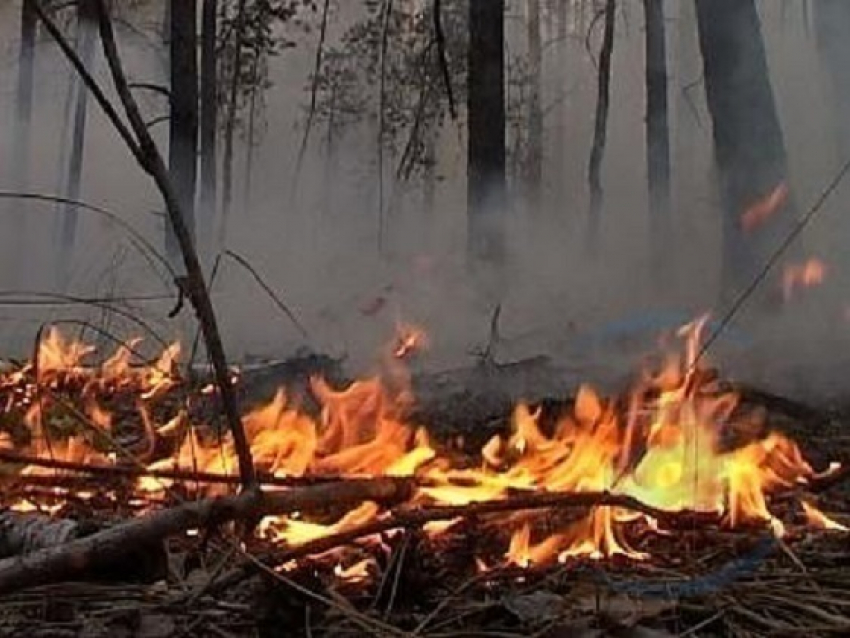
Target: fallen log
(95, 552)
(25, 532)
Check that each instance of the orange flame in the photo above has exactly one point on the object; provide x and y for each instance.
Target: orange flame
(807, 274)
(765, 208)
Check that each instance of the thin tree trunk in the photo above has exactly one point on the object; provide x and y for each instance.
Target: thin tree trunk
(209, 126)
(486, 167)
(534, 166)
(20, 156)
(657, 139)
(183, 123)
(748, 142)
(252, 133)
(86, 30)
(600, 130)
(230, 123)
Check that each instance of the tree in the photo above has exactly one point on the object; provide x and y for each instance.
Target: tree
(657, 136)
(534, 160)
(183, 123)
(209, 123)
(832, 19)
(86, 40)
(486, 161)
(749, 148)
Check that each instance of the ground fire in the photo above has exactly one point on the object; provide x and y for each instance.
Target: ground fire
(678, 442)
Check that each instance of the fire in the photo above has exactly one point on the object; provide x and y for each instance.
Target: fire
(807, 274)
(765, 208)
(665, 443)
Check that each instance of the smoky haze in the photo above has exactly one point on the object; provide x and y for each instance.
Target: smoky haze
(316, 244)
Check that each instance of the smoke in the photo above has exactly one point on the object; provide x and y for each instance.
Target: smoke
(317, 245)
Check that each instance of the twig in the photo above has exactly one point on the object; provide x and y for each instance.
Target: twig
(271, 293)
(79, 557)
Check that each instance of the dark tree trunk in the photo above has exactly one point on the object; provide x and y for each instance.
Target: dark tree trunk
(486, 167)
(600, 130)
(20, 158)
(657, 138)
(86, 40)
(748, 142)
(183, 124)
(534, 165)
(832, 21)
(209, 125)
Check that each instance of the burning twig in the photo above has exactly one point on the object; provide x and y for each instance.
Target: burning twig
(84, 555)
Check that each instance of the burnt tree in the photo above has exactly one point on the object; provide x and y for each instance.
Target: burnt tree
(749, 150)
(832, 20)
(486, 162)
(86, 41)
(209, 124)
(657, 137)
(183, 123)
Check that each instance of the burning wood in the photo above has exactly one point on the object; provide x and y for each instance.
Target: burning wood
(634, 465)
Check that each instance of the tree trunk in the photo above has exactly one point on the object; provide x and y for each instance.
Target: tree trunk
(832, 19)
(209, 125)
(486, 169)
(183, 124)
(657, 139)
(20, 157)
(600, 131)
(748, 143)
(534, 166)
(86, 40)
(230, 122)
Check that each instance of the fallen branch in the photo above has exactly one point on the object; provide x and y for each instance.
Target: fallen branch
(91, 553)
(130, 472)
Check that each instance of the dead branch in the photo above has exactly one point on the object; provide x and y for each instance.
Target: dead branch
(84, 555)
(25, 532)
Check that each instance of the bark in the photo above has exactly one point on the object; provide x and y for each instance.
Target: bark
(81, 556)
(832, 19)
(183, 123)
(23, 533)
(600, 130)
(534, 160)
(749, 150)
(86, 40)
(657, 139)
(486, 161)
(209, 126)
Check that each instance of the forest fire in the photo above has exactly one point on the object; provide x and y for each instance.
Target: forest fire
(798, 276)
(677, 443)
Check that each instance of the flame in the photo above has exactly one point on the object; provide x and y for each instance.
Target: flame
(819, 520)
(807, 274)
(765, 208)
(665, 443)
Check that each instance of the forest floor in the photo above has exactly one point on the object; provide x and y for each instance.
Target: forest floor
(702, 580)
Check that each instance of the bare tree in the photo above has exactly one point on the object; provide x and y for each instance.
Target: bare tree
(657, 136)
(209, 125)
(486, 163)
(183, 123)
(534, 159)
(86, 40)
(600, 129)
